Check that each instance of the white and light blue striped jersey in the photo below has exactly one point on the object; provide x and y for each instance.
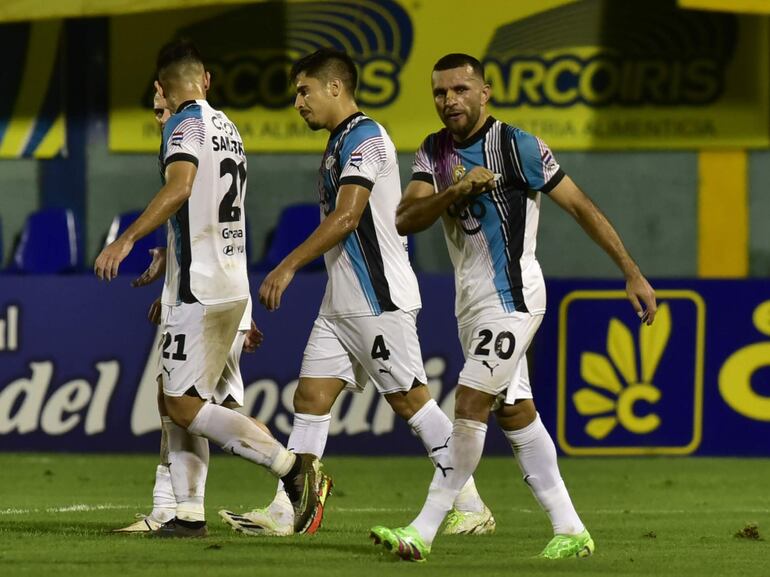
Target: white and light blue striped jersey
(492, 237)
(369, 271)
(206, 259)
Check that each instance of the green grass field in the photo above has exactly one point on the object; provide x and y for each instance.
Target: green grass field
(647, 516)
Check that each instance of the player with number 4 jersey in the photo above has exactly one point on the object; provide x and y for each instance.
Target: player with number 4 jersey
(366, 327)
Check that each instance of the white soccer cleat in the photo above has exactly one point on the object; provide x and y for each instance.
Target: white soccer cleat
(469, 523)
(259, 522)
(143, 524)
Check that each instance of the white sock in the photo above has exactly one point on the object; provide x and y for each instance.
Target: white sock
(163, 500)
(308, 435)
(239, 435)
(434, 428)
(188, 466)
(536, 455)
(452, 473)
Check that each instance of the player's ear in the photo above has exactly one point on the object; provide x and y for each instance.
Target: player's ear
(206, 80)
(335, 87)
(159, 89)
(486, 91)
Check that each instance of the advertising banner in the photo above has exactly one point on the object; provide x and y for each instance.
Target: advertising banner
(78, 363)
(32, 99)
(581, 74)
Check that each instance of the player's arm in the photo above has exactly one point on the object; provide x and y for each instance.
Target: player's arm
(179, 181)
(351, 203)
(574, 201)
(420, 207)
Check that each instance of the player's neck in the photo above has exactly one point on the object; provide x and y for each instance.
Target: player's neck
(344, 111)
(476, 127)
(178, 98)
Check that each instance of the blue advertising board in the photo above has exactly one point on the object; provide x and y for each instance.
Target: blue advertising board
(78, 361)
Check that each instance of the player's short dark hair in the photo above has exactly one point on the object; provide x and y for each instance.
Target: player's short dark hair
(176, 53)
(459, 60)
(326, 63)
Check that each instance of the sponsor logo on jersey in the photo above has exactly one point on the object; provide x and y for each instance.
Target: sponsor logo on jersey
(683, 64)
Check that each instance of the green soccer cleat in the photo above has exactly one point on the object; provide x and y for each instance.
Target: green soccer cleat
(566, 546)
(404, 542)
(469, 523)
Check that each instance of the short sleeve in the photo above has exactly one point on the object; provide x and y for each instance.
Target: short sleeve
(183, 137)
(540, 169)
(363, 155)
(422, 167)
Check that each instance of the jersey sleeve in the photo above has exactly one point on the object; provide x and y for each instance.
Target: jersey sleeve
(183, 137)
(540, 169)
(422, 167)
(363, 155)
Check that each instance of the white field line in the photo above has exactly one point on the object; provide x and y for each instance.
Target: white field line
(587, 512)
(85, 508)
(76, 508)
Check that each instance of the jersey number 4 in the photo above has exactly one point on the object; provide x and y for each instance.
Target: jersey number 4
(237, 172)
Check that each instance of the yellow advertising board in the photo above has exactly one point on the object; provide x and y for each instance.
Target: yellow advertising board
(581, 74)
(32, 121)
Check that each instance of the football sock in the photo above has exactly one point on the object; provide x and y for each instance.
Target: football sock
(536, 455)
(188, 466)
(239, 435)
(308, 435)
(434, 428)
(163, 500)
(452, 473)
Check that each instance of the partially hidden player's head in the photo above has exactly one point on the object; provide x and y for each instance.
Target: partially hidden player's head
(460, 94)
(159, 108)
(325, 82)
(181, 73)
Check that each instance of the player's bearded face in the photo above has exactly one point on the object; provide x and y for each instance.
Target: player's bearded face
(311, 101)
(459, 96)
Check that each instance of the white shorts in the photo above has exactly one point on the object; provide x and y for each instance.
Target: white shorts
(495, 347)
(197, 349)
(382, 348)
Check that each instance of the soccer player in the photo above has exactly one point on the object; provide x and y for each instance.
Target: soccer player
(484, 178)
(230, 387)
(205, 293)
(366, 327)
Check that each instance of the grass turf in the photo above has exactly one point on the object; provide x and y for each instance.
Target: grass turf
(648, 517)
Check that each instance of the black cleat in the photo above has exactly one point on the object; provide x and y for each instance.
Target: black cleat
(177, 528)
(302, 484)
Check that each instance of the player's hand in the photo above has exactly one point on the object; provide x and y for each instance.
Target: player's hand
(273, 286)
(155, 270)
(638, 289)
(153, 315)
(254, 338)
(108, 261)
(479, 180)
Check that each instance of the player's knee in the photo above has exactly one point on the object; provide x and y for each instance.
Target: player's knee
(399, 402)
(472, 405)
(310, 400)
(180, 411)
(516, 416)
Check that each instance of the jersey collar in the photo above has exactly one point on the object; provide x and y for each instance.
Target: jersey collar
(184, 105)
(478, 135)
(341, 126)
